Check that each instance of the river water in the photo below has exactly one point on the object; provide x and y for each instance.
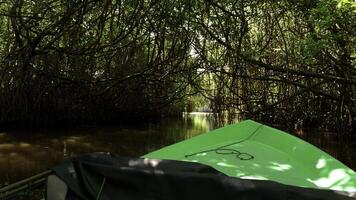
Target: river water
(23, 154)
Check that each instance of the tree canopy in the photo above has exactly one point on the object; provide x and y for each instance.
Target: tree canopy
(73, 61)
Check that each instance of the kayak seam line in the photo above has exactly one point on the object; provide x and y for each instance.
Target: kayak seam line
(222, 147)
(243, 140)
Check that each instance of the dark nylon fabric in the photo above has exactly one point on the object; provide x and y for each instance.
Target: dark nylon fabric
(138, 179)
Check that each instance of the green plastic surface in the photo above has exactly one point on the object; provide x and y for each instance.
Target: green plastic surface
(277, 156)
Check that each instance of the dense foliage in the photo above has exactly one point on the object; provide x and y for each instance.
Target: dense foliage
(285, 62)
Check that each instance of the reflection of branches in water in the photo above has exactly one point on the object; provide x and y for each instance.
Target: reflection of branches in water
(64, 149)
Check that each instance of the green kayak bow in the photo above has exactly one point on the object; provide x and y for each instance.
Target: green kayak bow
(251, 150)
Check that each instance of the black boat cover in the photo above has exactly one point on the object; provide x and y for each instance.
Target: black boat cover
(101, 176)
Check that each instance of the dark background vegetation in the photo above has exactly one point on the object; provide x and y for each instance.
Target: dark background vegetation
(286, 62)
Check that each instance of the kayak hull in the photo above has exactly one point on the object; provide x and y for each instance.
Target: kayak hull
(251, 150)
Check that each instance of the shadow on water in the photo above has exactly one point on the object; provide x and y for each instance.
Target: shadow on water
(23, 154)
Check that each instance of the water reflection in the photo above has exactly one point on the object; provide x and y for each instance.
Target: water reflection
(23, 154)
